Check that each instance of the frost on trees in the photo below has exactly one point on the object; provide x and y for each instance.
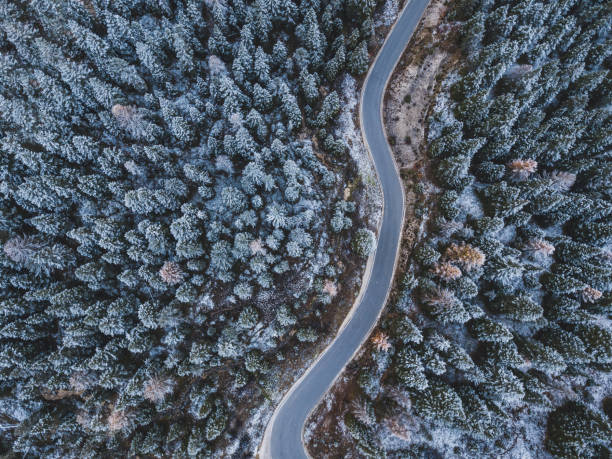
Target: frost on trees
(513, 275)
(156, 195)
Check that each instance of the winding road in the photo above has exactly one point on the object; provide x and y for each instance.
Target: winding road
(283, 436)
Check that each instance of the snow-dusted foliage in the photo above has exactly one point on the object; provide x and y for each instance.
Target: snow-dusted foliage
(500, 339)
(389, 13)
(169, 175)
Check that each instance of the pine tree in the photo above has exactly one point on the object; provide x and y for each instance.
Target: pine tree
(502, 385)
(473, 33)
(501, 353)
(574, 430)
(329, 109)
(364, 242)
(439, 403)
(409, 370)
(518, 307)
(452, 172)
(363, 436)
(308, 84)
(487, 330)
(597, 340)
(216, 422)
(593, 233)
(542, 357)
(358, 59)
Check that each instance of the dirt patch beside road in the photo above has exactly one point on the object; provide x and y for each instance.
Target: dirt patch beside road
(410, 96)
(410, 92)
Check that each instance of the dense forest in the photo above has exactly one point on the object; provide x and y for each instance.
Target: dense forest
(173, 215)
(499, 343)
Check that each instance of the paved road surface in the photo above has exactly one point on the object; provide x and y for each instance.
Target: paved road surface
(283, 437)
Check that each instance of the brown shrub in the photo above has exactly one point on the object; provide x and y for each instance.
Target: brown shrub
(465, 255)
(590, 295)
(171, 273)
(156, 388)
(440, 297)
(117, 420)
(381, 341)
(21, 248)
(446, 271)
(522, 168)
(563, 180)
(540, 247)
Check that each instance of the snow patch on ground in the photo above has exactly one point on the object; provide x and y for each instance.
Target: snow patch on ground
(309, 429)
(442, 115)
(470, 203)
(264, 338)
(257, 425)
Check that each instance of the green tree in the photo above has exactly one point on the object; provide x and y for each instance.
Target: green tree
(574, 430)
(364, 242)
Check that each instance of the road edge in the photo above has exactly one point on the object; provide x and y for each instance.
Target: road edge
(396, 260)
(263, 450)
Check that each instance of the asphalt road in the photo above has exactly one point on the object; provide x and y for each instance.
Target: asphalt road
(283, 437)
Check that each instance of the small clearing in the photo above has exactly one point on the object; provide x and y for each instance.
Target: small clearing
(410, 91)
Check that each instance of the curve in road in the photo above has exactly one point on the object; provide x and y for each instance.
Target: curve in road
(283, 436)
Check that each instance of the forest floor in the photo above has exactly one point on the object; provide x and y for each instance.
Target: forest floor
(410, 96)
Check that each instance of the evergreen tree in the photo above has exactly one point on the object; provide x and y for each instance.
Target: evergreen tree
(574, 430)
(364, 242)
(357, 60)
(518, 307)
(439, 403)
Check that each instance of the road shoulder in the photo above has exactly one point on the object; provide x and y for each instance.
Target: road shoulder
(416, 74)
